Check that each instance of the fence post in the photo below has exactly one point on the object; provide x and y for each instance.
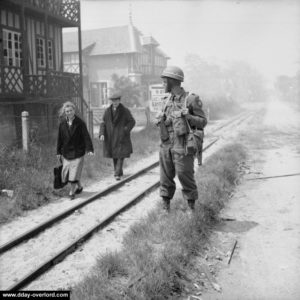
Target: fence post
(208, 116)
(89, 122)
(25, 130)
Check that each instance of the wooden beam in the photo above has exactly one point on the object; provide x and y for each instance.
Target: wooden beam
(80, 62)
(25, 67)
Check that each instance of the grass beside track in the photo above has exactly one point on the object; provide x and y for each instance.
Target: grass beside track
(30, 176)
(157, 251)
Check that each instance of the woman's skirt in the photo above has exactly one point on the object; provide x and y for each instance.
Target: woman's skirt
(71, 171)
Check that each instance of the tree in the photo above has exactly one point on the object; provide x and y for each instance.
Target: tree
(130, 91)
(288, 88)
(223, 87)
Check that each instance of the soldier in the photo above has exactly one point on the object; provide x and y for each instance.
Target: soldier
(180, 107)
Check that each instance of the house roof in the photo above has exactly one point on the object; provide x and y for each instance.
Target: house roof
(111, 40)
(149, 40)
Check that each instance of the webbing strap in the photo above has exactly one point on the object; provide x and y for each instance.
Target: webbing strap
(187, 122)
(164, 109)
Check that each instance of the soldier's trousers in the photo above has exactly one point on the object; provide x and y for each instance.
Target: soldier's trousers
(171, 164)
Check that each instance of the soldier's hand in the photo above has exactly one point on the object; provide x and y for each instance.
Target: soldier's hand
(101, 137)
(184, 111)
(159, 117)
(168, 121)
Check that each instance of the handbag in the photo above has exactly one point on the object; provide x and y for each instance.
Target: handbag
(58, 184)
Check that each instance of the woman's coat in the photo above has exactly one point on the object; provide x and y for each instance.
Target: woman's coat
(116, 131)
(75, 141)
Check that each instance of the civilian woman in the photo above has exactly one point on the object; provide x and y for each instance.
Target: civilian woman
(72, 144)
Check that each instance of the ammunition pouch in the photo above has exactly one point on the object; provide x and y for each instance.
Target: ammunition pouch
(164, 134)
(179, 124)
(194, 144)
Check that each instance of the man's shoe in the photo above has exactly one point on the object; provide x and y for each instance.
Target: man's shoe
(191, 204)
(118, 178)
(72, 196)
(166, 204)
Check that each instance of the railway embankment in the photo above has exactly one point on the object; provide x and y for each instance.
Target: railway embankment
(77, 263)
(246, 247)
(155, 254)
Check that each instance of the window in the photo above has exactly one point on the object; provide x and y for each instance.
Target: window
(98, 93)
(3, 17)
(9, 18)
(40, 52)
(12, 48)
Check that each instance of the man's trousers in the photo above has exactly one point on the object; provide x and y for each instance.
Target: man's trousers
(118, 166)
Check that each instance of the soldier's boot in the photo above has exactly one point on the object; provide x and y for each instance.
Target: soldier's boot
(191, 204)
(166, 204)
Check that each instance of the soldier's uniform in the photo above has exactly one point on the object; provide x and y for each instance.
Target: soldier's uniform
(173, 156)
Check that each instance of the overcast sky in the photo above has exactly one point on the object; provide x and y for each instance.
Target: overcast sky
(265, 33)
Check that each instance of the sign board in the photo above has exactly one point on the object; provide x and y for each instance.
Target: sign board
(156, 95)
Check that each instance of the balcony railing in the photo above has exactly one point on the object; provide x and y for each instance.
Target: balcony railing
(67, 9)
(51, 85)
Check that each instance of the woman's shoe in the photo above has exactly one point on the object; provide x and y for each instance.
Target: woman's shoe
(72, 196)
(78, 190)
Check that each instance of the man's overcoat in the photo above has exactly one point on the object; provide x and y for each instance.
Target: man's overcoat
(116, 129)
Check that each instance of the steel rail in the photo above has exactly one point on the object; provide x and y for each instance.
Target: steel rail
(48, 223)
(39, 228)
(41, 269)
(230, 121)
(44, 267)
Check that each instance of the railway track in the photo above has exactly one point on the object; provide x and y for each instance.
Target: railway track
(120, 193)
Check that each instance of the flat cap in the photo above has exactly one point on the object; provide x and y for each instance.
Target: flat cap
(115, 95)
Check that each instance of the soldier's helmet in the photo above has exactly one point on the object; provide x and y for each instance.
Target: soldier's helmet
(173, 72)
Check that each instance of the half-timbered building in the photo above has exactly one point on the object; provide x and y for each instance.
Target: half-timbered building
(121, 50)
(32, 77)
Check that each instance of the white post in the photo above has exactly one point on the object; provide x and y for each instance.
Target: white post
(25, 130)
(91, 123)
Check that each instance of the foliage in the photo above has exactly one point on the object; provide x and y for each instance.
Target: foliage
(287, 88)
(28, 176)
(223, 87)
(130, 91)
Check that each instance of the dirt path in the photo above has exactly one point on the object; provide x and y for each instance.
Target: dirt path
(266, 262)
